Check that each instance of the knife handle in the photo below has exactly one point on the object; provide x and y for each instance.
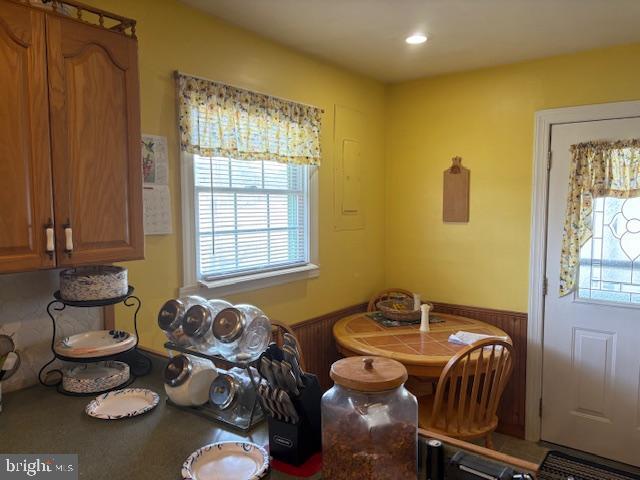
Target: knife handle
(267, 371)
(290, 378)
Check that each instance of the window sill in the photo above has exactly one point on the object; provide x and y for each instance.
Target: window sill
(247, 283)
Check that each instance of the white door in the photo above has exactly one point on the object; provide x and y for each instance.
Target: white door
(591, 364)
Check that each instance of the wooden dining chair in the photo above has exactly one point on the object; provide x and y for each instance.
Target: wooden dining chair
(387, 295)
(469, 391)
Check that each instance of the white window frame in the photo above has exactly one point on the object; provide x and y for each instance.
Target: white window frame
(232, 284)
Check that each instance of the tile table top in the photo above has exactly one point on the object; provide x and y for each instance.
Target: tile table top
(424, 354)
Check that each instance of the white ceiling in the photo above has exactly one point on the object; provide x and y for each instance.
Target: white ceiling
(367, 36)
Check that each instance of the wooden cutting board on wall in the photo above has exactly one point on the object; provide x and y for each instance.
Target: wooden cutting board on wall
(455, 198)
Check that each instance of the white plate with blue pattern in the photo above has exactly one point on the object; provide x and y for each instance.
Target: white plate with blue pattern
(227, 461)
(99, 343)
(125, 403)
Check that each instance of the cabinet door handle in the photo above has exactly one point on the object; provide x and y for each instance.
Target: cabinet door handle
(68, 239)
(50, 249)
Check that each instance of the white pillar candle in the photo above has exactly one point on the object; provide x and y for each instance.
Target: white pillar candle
(416, 301)
(424, 321)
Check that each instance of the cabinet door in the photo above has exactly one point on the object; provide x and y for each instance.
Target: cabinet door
(25, 162)
(95, 120)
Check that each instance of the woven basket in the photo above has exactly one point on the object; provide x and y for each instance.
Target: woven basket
(399, 310)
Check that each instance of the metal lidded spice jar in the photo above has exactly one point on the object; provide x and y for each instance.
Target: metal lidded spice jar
(197, 325)
(232, 396)
(229, 325)
(369, 421)
(223, 393)
(171, 315)
(187, 380)
(177, 371)
(243, 332)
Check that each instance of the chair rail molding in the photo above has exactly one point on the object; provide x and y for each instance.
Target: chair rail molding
(544, 122)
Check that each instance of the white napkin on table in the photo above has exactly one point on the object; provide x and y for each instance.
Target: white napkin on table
(467, 338)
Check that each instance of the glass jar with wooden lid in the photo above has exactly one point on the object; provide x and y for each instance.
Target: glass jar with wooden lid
(369, 422)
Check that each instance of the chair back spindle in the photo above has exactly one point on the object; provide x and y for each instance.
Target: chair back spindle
(470, 388)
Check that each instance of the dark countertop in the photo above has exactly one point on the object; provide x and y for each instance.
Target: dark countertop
(152, 446)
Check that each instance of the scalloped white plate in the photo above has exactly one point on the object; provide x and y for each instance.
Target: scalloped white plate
(97, 343)
(128, 402)
(227, 461)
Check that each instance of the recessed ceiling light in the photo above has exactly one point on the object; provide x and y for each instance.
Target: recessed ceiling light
(416, 39)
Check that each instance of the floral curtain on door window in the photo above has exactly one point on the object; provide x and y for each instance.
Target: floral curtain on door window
(598, 169)
(218, 120)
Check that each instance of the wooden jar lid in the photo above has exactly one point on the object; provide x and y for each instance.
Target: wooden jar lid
(369, 374)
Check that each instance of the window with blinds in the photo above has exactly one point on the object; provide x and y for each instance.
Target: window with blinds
(251, 216)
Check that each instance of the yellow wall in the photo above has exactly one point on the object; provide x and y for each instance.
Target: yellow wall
(485, 116)
(412, 130)
(173, 36)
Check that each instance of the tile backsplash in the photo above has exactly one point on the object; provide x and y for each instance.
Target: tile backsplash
(23, 315)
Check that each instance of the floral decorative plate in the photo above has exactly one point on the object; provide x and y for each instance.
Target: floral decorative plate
(98, 343)
(128, 402)
(227, 461)
(94, 377)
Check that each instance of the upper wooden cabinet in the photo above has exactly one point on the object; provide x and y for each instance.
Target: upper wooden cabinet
(25, 163)
(69, 141)
(95, 127)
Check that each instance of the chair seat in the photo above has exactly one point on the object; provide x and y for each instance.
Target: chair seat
(466, 431)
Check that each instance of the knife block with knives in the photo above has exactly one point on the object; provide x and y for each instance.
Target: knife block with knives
(295, 443)
(291, 400)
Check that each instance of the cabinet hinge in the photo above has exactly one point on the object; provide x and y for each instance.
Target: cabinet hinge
(549, 157)
(540, 408)
(545, 286)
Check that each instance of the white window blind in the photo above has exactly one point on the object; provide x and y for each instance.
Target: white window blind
(250, 216)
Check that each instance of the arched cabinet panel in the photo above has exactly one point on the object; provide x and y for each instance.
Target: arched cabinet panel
(93, 87)
(25, 168)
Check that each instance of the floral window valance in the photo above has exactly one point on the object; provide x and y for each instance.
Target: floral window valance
(218, 120)
(598, 169)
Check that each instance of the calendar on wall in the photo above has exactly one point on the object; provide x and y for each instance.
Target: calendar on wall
(156, 194)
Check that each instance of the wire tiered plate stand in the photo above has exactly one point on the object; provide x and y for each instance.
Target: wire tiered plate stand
(139, 364)
(206, 410)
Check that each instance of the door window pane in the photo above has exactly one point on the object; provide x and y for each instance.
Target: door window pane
(610, 260)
